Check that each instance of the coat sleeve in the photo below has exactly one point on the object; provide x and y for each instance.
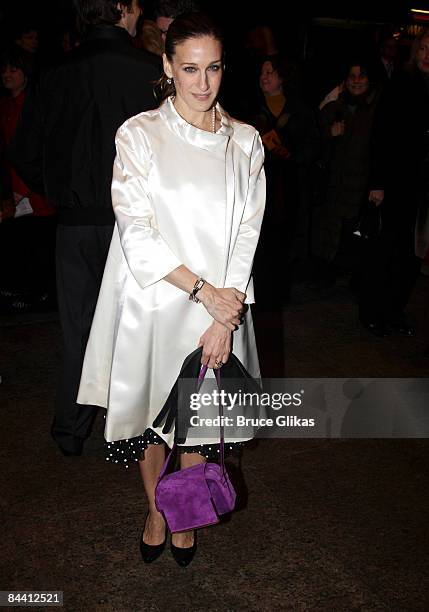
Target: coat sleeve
(241, 260)
(148, 255)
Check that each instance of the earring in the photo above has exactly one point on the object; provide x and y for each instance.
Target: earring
(169, 81)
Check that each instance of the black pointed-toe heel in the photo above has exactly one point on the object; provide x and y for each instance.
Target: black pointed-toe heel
(151, 553)
(148, 552)
(183, 556)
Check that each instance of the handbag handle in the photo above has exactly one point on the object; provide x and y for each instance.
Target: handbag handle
(200, 380)
(221, 426)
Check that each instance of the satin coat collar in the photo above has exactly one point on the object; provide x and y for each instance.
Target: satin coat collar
(196, 136)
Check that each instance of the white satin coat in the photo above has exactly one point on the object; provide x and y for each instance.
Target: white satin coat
(180, 195)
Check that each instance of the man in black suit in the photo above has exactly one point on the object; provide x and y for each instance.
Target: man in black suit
(65, 147)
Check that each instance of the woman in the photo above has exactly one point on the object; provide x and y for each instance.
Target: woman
(188, 193)
(346, 133)
(291, 140)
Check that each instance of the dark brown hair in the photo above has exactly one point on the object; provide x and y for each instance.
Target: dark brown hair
(183, 28)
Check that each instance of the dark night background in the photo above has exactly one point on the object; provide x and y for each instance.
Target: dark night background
(287, 17)
(321, 34)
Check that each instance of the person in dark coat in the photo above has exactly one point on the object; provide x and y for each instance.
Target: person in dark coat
(291, 140)
(399, 184)
(65, 146)
(346, 135)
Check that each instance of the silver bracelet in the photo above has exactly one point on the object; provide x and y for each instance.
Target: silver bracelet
(199, 284)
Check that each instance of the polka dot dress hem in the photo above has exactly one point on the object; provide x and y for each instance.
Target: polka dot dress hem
(131, 450)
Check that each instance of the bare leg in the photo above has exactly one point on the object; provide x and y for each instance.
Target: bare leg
(150, 468)
(185, 539)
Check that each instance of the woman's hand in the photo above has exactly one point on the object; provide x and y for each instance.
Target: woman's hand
(216, 343)
(376, 196)
(224, 305)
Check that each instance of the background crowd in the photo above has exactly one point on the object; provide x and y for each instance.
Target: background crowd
(346, 144)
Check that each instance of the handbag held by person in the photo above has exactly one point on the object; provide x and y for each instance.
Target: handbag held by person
(196, 496)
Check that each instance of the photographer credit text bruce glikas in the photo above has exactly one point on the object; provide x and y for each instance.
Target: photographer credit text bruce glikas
(275, 401)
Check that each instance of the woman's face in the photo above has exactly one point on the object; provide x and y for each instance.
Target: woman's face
(197, 72)
(269, 80)
(422, 55)
(357, 82)
(13, 79)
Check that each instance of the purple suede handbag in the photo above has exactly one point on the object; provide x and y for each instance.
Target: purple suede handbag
(196, 496)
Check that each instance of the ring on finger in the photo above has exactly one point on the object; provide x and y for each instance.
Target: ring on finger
(219, 364)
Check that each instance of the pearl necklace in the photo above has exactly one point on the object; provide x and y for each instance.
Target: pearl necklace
(214, 120)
